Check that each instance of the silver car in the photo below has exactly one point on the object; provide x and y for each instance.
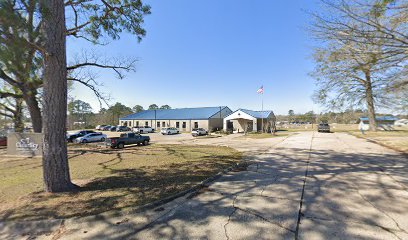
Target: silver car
(169, 131)
(198, 132)
(91, 137)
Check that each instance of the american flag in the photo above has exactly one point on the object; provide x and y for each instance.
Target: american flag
(260, 90)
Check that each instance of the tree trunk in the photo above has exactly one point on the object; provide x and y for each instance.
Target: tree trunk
(34, 109)
(55, 160)
(18, 116)
(370, 102)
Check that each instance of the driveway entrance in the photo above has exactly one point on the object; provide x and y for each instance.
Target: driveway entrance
(308, 186)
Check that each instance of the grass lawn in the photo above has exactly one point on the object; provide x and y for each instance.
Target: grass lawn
(397, 139)
(266, 135)
(109, 179)
(334, 127)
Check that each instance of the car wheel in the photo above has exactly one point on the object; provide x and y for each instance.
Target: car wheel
(102, 139)
(121, 145)
(168, 133)
(145, 142)
(84, 141)
(141, 131)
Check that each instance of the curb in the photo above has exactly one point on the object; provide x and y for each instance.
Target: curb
(191, 191)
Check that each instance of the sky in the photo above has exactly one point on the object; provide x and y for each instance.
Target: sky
(213, 53)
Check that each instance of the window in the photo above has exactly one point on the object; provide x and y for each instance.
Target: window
(146, 123)
(177, 124)
(164, 124)
(130, 123)
(158, 124)
(184, 124)
(137, 123)
(195, 124)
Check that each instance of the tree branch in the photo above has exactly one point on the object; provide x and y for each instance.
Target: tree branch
(9, 94)
(8, 79)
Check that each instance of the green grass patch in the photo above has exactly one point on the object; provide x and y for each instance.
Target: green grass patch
(109, 179)
(397, 139)
(334, 127)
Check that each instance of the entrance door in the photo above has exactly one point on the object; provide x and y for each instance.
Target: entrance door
(230, 126)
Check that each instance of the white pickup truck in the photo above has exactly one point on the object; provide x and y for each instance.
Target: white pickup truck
(145, 129)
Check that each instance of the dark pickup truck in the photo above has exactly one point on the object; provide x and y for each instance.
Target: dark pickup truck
(127, 139)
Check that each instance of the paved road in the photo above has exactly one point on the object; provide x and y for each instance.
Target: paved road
(309, 186)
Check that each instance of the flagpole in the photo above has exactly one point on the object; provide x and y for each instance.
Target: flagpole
(262, 114)
(261, 91)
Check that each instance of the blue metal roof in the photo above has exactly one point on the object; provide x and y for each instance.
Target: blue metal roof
(202, 113)
(256, 114)
(381, 118)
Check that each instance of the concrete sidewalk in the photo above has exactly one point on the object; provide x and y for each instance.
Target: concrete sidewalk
(307, 186)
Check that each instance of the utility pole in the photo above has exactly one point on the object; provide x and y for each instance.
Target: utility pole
(221, 120)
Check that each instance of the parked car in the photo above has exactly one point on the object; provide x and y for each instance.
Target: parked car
(3, 141)
(100, 127)
(72, 137)
(122, 129)
(92, 137)
(106, 128)
(145, 129)
(127, 139)
(169, 131)
(323, 127)
(198, 132)
(113, 128)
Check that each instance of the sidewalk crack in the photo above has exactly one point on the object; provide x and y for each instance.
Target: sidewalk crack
(300, 214)
(229, 218)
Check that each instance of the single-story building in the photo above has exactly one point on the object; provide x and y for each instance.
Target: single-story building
(383, 122)
(184, 119)
(244, 120)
